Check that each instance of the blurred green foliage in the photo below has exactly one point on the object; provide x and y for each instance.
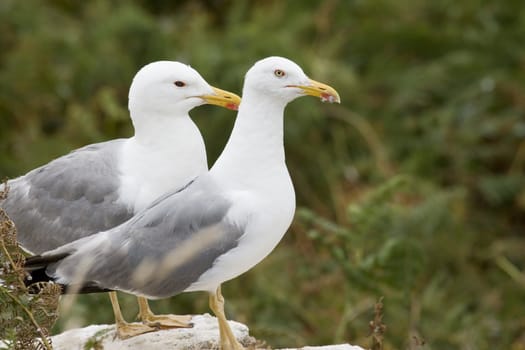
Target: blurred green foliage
(412, 189)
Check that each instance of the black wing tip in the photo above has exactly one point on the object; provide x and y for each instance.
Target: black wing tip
(40, 261)
(34, 285)
(36, 267)
(85, 288)
(35, 278)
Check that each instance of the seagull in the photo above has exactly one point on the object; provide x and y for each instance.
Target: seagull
(216, 228)
(102, 185)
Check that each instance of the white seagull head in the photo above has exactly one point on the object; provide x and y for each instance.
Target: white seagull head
(173, 88)
(285, 80)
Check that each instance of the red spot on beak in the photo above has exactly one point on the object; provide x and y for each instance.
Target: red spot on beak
(232, 106)
(327, 98)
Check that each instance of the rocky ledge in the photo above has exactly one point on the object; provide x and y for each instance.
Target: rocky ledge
(204, 335)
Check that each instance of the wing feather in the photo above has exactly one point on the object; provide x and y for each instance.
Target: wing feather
(69, 198)
(159, 252)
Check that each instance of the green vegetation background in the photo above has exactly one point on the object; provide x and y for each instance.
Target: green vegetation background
(412, 189)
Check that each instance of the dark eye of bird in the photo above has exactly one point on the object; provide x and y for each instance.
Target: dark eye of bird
(179, 83)
(279, 73)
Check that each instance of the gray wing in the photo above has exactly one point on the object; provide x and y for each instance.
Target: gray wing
(161, 251)
(71, 197)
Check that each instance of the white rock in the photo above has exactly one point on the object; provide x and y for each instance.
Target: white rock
(203, 336)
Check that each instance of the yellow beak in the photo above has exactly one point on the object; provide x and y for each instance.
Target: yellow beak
(325, 92)
(223, 98)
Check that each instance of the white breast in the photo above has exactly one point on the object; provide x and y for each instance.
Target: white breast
(269, 215)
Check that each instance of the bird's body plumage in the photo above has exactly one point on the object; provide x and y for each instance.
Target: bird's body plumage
(229, 220)
(249, 185)
(48, 203)
(102, 185)
(216, 228)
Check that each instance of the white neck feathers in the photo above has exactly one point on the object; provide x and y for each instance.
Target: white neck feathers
(255, 147)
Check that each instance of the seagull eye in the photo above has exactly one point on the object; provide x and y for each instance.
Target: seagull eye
(179, 83)
(279, 73)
